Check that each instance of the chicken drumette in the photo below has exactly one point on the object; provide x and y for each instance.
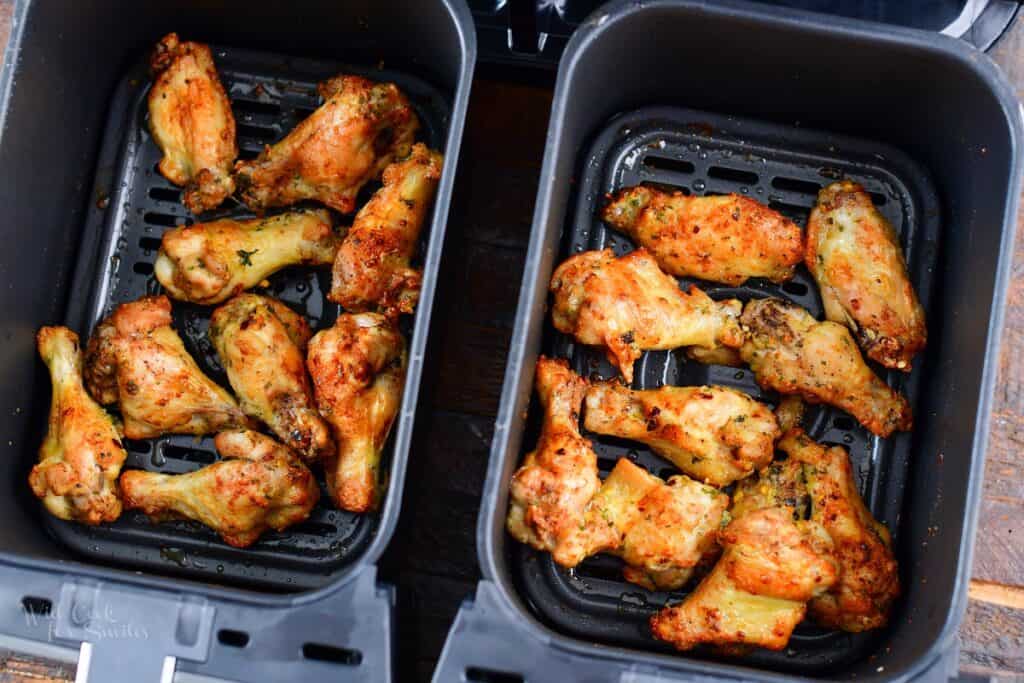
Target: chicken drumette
(714, 434)
(360, 128)
(725, 238)
(208, 263)
(261, 344)
(258, 485)
(136, 359)
(628, 305)
(758, 591)
(191, 121)
(76, 477)
(358, 370)
(371, 270)
(855, 256)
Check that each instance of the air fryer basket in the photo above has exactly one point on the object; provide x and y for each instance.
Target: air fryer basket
(857, 81)
(79, 191)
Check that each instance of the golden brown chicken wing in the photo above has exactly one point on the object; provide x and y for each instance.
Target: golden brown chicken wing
(76, 477)
(780, 484)
(191, 121)
(868, 582)
(792, 353)
(261, 344)
(136, 359)
(552, 487)
(713, 434)
(258, 486)
(371, 270)
(360, 128)
(725, 238)
(208, 263)
(757, 592)
(628, 305)
(358, 370)
(855, 256)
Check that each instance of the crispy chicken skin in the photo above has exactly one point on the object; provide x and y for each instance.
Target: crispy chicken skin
(371, 270)
(780, 484)
(792, 353)
(725, 238)
(261, 344)
(191, 121)
(257, 486)
(81, 456)
(358, 370)
(208, 263)
(869, 582)
(757, 592)
(136, 359)
(714, 434)
(360, 128)
(855, 256)
(628, 305)
(550, 490)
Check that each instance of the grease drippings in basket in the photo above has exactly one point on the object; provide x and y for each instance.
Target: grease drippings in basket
(773, 538)
(364, 131)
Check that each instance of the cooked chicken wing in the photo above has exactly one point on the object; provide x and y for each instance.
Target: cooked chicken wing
(725, 238)
(550, 490)
(792, 353)
(136, 359)
(208, 263)
(714, 434)
(360, 128)
(757, 592)
(780, 484)
(868, 582)
(855, 256)
(358, 370)
(257, 486)
(261, 344)
(371, 270)
(629, 305)
(76, 477)
(191, 121)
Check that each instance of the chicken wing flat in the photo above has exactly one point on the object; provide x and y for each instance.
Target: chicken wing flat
(261, 344)
(208, 263)
(869, 583)
(550, 490)
(360, 128)
(792, 353)
(191, 121)
(136, 359)
(713, 434)
(855, 256)
(258, 486)
(725, 238)
(358, 370)
(757, 592)
(372, 268)
(81, 456)
(628, 305)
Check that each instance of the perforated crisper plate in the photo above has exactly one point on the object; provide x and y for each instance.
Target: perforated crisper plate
(269, 95)
(784, 167)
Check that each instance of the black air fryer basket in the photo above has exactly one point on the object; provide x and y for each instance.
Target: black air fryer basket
(86, 208)
(731, 97)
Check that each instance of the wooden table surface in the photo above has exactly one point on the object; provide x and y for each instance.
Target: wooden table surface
(433, 559)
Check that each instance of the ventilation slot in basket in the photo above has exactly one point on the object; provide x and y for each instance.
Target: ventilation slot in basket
(332, 654)
(733, 175)
(475, 674)
(232, 638)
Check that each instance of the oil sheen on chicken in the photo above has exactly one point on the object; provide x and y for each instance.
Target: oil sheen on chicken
(81, 456)
(137, 360)
(257, 486)
(191, 121)
(208, 263)
(360, 128)
(261, 344)
(726, 238)
(628, 305)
